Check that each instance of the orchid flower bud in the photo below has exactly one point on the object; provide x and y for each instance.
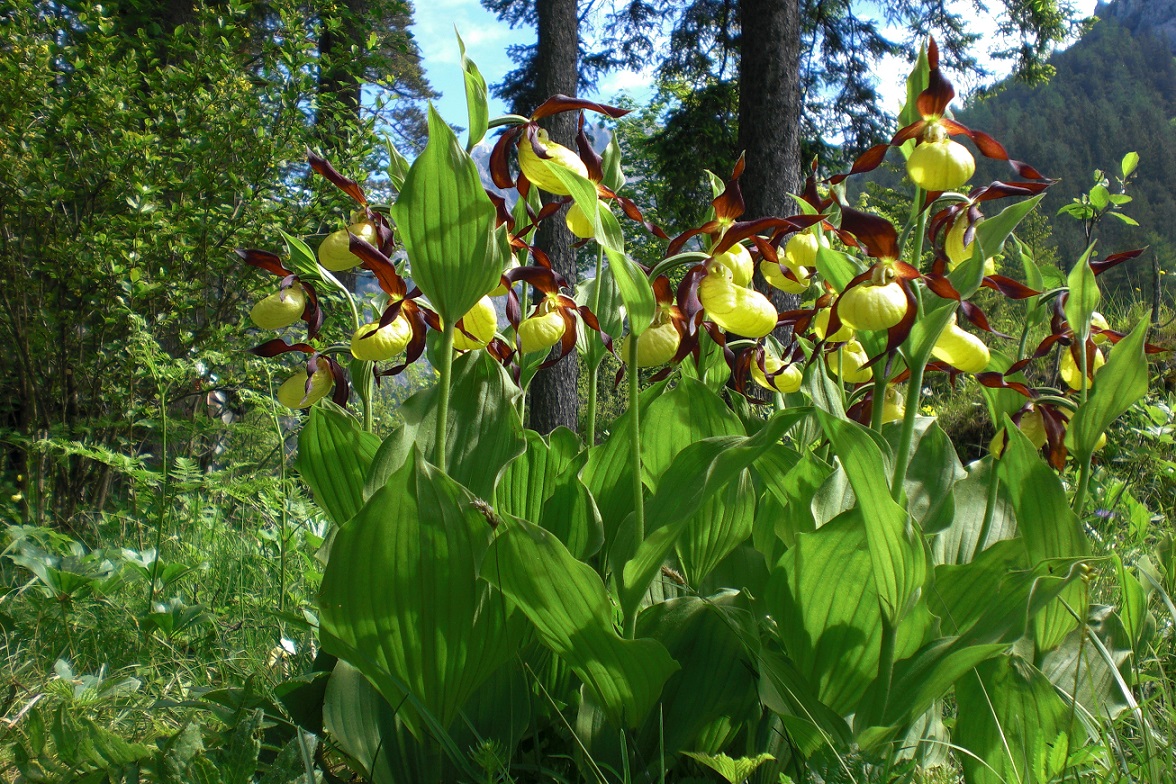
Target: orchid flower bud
(292, 393)
(801, 249)
(280, 309)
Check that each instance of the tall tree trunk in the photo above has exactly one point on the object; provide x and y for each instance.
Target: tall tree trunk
(554, 398)
(769, 112)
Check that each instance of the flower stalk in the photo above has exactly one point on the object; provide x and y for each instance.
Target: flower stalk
(630, 620)
(445, 371)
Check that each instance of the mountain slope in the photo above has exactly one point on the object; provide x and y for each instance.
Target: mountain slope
(1114, 92)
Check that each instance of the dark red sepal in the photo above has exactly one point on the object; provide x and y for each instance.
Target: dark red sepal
(272, 348)
(1012, 289)
(263, 259)
(876, 235)
(1115, 259)
(348, 186)
(563, 103)
(499, 158)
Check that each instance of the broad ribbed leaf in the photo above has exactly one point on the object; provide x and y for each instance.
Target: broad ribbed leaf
(924, 334)
(543, 485)
(896, 554)
(610, 314)
(823, 597)
(484, 434)
(401, 599)
(1094, 668)
(632, 284)
(570, 607)
(960, 541)
(991, 235)
(1047, 526)
(446, 221)
(687, 413)
(476, 98)
(717, 682)
(1083, 298)
(334, 454)
(721, 523)
(793, 488)
(931, 476)
(697, 473)
(1119, 386)
(994, 605)
(1008, 714)
(360, 721)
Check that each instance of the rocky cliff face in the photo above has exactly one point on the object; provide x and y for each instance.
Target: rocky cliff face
(1155, 16)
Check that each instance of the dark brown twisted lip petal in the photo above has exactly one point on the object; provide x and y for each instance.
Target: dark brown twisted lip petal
(277, 346)
(588, 155)
(499, 164)
(345, 184)
(876, 235)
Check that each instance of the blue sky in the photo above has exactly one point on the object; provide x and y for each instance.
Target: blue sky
(487, 40)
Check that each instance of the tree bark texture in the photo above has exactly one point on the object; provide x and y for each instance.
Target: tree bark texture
(769, 113)
(553, 399)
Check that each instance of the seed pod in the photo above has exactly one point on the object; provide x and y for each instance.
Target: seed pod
(538, 169)
(940, 165)
(335, 251)
(292, 393)
(481, 321)
(786, 380)
(539, 333)
(655, 346)
(280, 309)
(383, 343)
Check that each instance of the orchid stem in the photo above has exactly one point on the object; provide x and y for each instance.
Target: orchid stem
(1084, 471)
(594, 371)
(445, 371)
(879, 401)
(989, 509)
(902, 459)
(630, 621)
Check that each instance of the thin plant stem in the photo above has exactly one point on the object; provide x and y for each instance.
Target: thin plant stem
(902, 459)
(594, 371)
(445, 371)
(630, 621)
(163, 491)
(282, 543)
(989, 509)
(1084, 471)
(879, 397)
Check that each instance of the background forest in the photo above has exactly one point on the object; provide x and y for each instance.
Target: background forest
(161, 560)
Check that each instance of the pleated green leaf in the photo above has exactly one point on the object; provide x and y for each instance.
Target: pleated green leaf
(570, 608)
(1009, 713)
(825, 602)
(697, 473)
(1047, 527)
(716, 684)
(484, 434)
(991, 605)
(446, 222)
(401, 599)
(334, 454)
(960, 542)
(1083, 298)
(896, 554)
(687, 413)
(719, 525)
(991, 235)
(931, 476)
(543, 485)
